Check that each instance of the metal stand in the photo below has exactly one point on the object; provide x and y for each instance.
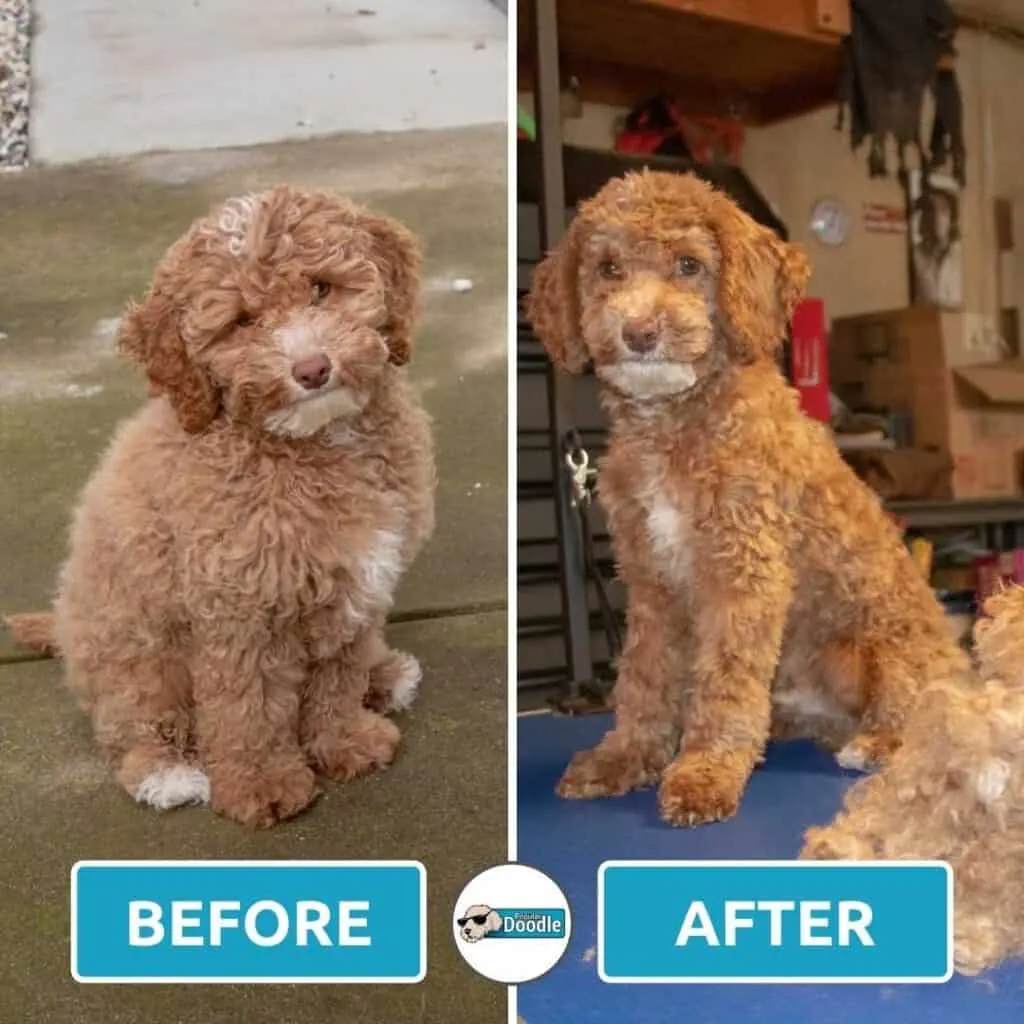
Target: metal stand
(572, 575)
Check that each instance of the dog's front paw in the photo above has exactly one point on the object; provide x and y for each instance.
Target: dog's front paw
(394, 684)
(355, 746)
(260, 795)
(606, 771)
(865, 752)
(701, 787)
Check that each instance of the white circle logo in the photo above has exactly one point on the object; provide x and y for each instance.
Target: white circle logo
(512, 924)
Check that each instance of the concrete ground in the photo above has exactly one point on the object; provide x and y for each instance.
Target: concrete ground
(111, 79)
(75, 243)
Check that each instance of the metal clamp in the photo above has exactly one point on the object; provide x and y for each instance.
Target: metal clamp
(583, 475)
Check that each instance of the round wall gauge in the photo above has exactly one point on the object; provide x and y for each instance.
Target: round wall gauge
(830, 222)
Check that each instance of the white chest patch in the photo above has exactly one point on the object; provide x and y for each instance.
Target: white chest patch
(375, 576)
(670, 531)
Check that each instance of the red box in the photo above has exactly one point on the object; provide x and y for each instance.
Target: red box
(809, 359)
(993, 572)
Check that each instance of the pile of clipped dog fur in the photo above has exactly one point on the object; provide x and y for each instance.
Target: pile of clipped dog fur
(955, 792)
(15, 45)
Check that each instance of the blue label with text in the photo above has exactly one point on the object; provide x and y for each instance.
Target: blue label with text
(530, 924)
(781, 921)
(248, 921)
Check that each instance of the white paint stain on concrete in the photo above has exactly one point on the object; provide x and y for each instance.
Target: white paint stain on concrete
(82, 390)
(24, 375)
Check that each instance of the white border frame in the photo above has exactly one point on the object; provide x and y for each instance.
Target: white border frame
(512, 422)
(249, 864)
(748, 864)
(511, 454)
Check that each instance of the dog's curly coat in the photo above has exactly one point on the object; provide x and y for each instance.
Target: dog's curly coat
(954, 791)
(765, 581)
(235, 555)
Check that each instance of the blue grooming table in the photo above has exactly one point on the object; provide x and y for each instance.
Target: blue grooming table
(799, 786)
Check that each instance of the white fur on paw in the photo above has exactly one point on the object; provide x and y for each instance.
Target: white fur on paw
(174, 786)
(407, 685)
(991, 780)
(853, 758)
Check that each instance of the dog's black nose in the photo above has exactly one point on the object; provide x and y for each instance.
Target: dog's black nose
(640, 338)
(312, 372)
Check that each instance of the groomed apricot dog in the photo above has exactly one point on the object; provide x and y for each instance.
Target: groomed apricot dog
(235, 555)
(954, 791)
(765, 581)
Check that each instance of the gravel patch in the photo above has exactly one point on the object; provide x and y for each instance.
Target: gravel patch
(15, 78)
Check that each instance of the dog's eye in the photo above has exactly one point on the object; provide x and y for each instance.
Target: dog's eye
(610, 270)
(689, 266)
(244, 320)
(321, 289)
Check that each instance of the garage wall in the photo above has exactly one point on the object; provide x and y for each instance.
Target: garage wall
(113, 77)
(799, 161)
(1008, 13)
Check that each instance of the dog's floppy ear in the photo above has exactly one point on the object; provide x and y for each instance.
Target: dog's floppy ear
(760, 283)
(396, 254)
(493, 921)
(150, 334)
(553, 305)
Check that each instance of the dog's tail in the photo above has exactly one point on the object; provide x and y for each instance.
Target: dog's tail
(34, 630)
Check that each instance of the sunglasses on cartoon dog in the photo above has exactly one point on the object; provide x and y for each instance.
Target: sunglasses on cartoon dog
(476, 919)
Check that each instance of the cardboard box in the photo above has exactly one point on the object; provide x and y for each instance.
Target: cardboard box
(995, 571)
(903, 474)
(947, 372)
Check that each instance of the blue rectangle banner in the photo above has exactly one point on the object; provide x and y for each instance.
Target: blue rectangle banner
(529, 924)
(248, 921)
(775, 921)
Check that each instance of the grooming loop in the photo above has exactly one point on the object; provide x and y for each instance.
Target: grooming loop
(583, 475)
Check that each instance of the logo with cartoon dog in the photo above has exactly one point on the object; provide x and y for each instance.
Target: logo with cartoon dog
(511, 902)
(480, 921)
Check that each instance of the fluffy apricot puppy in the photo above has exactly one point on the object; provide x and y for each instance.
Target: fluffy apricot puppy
(764, 579)
(954, 791)
(235, 555)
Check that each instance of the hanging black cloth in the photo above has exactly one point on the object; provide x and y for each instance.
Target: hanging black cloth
(891, 57)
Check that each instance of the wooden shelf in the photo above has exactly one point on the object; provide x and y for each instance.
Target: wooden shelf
(755, 60)
(923, 515)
